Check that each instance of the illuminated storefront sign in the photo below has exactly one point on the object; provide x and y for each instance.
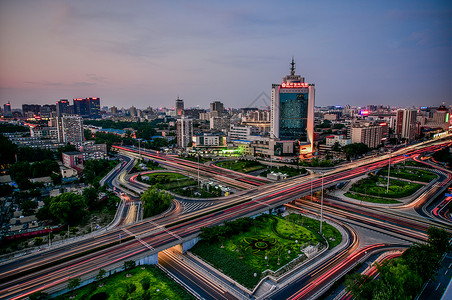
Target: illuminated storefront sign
(291, 85)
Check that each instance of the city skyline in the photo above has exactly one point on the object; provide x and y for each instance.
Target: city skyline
(148, 54)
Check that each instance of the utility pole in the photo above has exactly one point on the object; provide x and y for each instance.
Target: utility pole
(321, 206)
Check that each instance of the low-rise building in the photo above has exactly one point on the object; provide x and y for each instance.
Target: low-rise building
(72, 159)
(341, 139)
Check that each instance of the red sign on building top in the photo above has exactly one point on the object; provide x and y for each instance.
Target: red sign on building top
(291, 85)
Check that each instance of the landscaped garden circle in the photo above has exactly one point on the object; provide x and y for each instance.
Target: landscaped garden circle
(246, 248)
(258, 244)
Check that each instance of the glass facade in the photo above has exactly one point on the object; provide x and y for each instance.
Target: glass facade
(293, 116)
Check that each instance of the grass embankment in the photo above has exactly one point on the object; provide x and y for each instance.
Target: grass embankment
(115, 286)
(409, 174)
(279, 239)
(371, 199)
(243, 166)
(376, 186)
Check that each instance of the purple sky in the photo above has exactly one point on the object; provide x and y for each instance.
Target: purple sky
(146, 53)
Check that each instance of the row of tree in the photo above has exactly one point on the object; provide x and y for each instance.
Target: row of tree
(403, 277)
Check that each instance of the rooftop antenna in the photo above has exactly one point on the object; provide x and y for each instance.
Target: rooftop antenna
(292, 68)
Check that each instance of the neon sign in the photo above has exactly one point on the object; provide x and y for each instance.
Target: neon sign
(291, 85)
(364, 112)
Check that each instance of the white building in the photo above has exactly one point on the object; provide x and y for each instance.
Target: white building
(184, 132)
(367, 133)
(206, 140)
(341, 139)
(242, 132)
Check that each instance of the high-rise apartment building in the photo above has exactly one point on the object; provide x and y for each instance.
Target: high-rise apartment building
(406, 124)
(62, 107)
(184, 132)
(179, 107)
(70, 129)
(292, 110)
(368, 133)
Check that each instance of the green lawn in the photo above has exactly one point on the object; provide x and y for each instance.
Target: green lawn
(371, 199)
(161, 286)
(244, 254)
(167, 180)
(290, 171)
(376, 186)
(244, 166)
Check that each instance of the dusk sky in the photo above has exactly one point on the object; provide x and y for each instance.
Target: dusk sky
(147, 53)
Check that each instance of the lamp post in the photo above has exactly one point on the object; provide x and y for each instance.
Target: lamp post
(311, 189)
(139, 149)
(198, 167)
(389, 172)
(321, 206)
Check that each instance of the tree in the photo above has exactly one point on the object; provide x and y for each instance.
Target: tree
(28, 207)
(38, 241)
(38, 296)
(355, 149)
(74, 283)
(67, 208)
(129, 265)
(90, 196)
(146, 283)
(101, 275)
(7, 155)
(439, 238)
(336, 147)
(130, 288)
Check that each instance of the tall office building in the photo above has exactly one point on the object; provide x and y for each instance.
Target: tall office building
(7, 110)
(179, 107)
(406, 124)
(62, 107)
(133, 111)
(31, 110)
(87, 107)
(184, 132)
(94, 107)
(292, 110)
(48, 110)
(70, 129)
(216, 109)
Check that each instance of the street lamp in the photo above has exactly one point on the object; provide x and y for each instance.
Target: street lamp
(321, 206)
(198, 166)
(311, 189)
(139, 151)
